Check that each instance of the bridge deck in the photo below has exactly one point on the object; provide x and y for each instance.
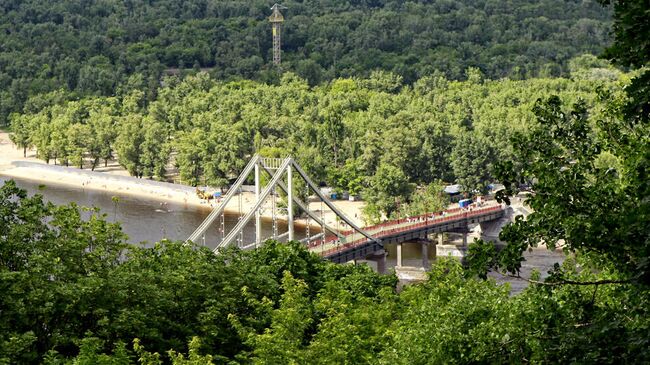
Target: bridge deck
(398, 230)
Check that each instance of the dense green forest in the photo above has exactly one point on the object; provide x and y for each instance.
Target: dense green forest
(73, 292)
(93, 47)
(373, 136)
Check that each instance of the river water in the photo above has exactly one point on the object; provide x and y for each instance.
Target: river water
(146, 220)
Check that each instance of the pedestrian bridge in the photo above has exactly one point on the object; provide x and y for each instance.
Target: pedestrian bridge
(354, 246)
(332, 244)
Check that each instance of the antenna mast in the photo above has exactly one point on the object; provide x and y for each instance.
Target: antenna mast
(276, 19)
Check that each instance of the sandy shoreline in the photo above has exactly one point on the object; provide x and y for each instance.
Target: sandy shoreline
(115, 180)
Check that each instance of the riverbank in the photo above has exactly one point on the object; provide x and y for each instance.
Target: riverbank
(115, 180)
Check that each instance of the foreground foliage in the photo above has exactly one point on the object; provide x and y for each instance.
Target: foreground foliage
(73, 292)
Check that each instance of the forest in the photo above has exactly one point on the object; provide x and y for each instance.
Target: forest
(93, 47)
(373, 136)
(72, 291)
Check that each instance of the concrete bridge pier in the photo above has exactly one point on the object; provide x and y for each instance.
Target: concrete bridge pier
(379, 257)
(454, 248)
(399, 255)
(425, 254)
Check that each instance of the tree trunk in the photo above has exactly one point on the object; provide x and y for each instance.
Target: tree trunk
(25, 151)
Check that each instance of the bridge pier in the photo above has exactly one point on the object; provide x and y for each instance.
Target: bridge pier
(454, 248)
(379, 257)
(425, 255)
(399, 255)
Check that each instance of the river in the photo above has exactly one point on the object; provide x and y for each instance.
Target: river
(144, 220)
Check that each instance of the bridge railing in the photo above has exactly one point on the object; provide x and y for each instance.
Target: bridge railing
(418, 222)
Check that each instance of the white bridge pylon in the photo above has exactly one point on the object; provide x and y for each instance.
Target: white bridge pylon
(278, 170)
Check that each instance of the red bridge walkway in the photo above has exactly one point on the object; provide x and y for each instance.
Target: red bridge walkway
(354, 245)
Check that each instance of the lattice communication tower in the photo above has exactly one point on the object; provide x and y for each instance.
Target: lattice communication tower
(276, 19)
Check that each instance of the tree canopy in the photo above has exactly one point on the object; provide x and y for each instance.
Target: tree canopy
(73, 292)
(353, 134)
(110, 47)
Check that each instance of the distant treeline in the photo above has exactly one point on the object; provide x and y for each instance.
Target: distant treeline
(92, 47)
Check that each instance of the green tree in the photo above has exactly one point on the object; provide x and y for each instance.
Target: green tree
(104, 128)
(129, 142)
(79, 142)
(579, 205)
(471, 161)
(427, 199)
(191, 147)
(387, 190)
(349, 178)
(155, 150)
(21, 132)
(282, 341)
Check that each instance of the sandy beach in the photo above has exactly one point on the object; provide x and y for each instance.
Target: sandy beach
(115, 180)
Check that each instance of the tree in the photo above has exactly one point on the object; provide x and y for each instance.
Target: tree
(129, 144)
(79, 141)
(282, 341)
(578, 204)
(155, 150)
(42, 137)
(58, 255)
(104, 126)
(224, 153)
(472, 323)
(427, 199)
(191, 147)
(348, 178)
(471, 160)
(585, 206)
(388, 189)
(59, 139)
(21, 132)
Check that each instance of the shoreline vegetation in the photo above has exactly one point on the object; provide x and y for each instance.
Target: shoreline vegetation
(115, 180)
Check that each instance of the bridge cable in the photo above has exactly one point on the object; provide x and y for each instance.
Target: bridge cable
(322, 227)
(241, 232)
(200, 230)
(273, 215)
(264, 195)
(223, 225)
(304, 206)
(308, 216)
(332, 206)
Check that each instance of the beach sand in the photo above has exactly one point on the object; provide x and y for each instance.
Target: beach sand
(115, 180)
